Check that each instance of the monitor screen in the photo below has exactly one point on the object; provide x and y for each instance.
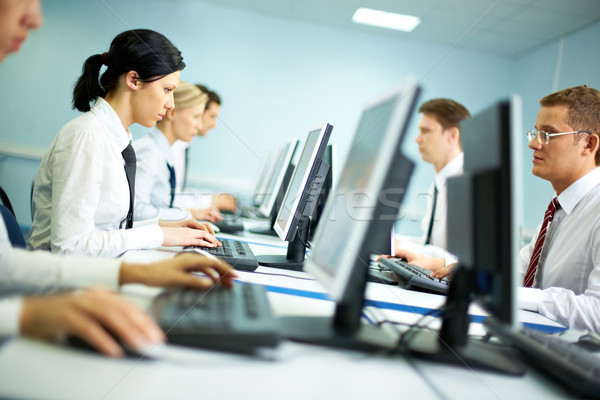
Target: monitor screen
(279, 172)
(299, 193)
(484, 233)
(266, 175)
(355, 210)
(489, 197)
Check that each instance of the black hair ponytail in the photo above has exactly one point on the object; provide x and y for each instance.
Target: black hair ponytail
(87, 87)
(144, 51)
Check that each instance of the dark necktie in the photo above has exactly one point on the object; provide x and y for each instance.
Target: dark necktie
(185, 167)
(433, 206)
(539, 243)
(130, 165)
(172, 183)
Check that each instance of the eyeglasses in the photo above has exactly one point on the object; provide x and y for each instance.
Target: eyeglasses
(544, 137)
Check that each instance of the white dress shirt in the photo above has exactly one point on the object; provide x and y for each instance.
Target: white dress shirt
(190, 197)
(439, 239)
(568, 274)
(29, 273)
(152, 185)
(81, 192)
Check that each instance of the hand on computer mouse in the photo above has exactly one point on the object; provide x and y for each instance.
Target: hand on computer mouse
(89, 315)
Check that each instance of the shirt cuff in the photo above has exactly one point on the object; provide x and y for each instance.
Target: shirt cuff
(144, 237)
(91, 271)
(529, 298)
(10, 316)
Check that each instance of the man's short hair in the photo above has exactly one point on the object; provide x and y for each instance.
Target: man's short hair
(213, 97)
(583, 113)
(447, 112)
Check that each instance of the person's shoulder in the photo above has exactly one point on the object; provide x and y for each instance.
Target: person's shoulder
(146, 147)
(84, 124)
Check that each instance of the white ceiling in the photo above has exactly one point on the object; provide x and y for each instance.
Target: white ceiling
(506, 27)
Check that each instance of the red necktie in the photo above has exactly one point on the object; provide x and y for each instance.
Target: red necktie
(539, 243)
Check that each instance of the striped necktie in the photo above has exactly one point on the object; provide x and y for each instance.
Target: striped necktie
(539, 243)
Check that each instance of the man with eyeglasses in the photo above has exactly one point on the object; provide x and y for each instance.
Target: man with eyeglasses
(560, 268)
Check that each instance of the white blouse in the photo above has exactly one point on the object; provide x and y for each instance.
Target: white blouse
(152, 185)
(81, 192)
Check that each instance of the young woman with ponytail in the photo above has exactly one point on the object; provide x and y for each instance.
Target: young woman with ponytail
(82, 201)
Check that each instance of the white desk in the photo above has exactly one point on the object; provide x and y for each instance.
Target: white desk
(30, 369)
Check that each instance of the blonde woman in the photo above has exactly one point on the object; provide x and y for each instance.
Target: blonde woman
(155, 183)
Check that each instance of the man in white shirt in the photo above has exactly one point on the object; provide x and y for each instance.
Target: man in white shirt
(565, 143)
(560, 268)
(440, 145)
(180, 150)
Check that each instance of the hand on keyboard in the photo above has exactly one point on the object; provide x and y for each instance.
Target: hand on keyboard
(179, 271)
(435, 264)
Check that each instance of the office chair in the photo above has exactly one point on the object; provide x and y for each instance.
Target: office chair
(14, 230)
(6, 201)
(31, 197)
(15, 235)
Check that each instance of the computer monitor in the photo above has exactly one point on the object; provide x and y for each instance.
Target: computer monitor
(300, 200)
(283, 169)
(366, 199)
(266, 175)
(330, 158)
(275, 193)
(484, 220)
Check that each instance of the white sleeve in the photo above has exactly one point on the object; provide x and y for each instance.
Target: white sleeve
(575, 311)
(39, 272)
(78, 173)
(10, 316)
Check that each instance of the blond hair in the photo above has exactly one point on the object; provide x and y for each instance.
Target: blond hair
(187, 95)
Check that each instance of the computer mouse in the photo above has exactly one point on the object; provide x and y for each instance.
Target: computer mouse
(78, 343)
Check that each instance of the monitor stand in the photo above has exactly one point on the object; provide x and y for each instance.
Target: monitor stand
(321, 331)
(294, 259)
(452, 345)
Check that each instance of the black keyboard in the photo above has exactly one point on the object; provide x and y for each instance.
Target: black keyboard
(575, 367)
(414, 277)
(234, 252)
(236, 320)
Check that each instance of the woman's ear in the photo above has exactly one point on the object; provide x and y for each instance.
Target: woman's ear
(132, 80)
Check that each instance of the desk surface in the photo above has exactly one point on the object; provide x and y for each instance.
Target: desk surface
(31, 369)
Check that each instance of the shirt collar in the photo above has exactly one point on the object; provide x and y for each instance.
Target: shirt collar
(162, 143)
(572, 195)
(453, 168)
(112, 124)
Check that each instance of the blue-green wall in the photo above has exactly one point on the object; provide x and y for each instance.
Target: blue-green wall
(277, 78)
